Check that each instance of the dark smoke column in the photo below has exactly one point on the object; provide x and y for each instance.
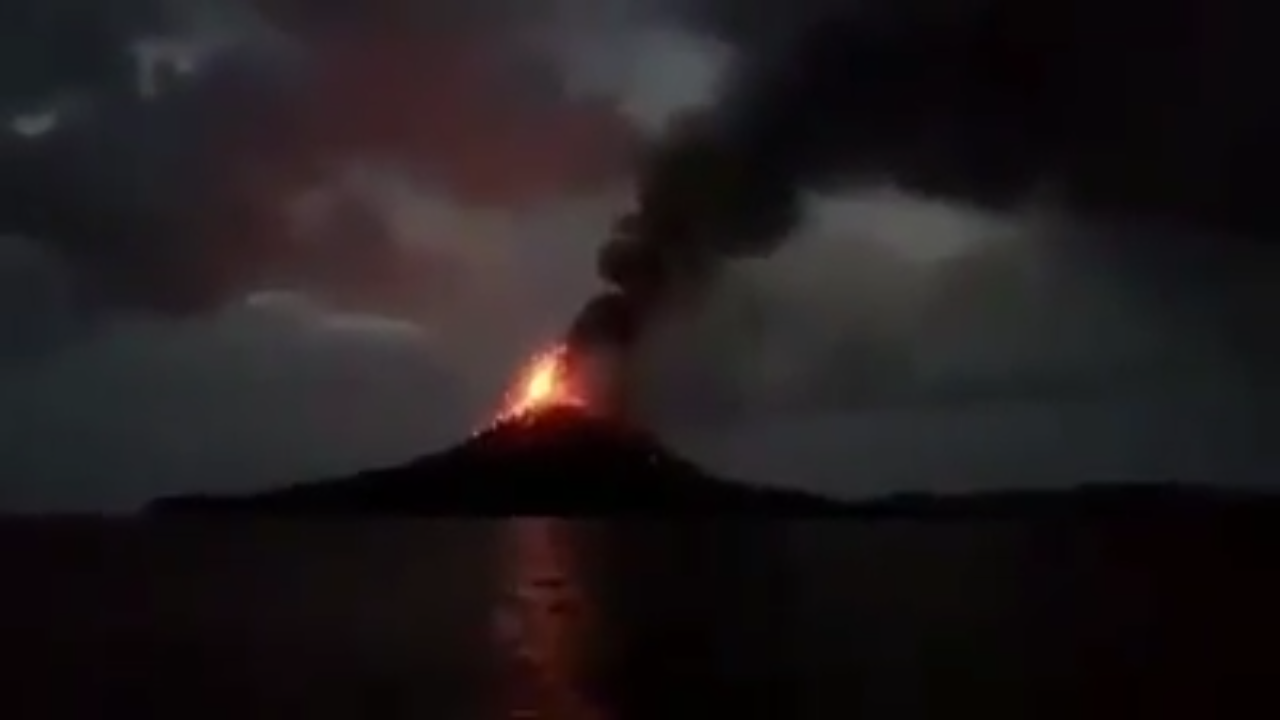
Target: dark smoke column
(602, 341)
(705, 197)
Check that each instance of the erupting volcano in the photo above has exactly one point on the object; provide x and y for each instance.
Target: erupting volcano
(562, 441)
(558, 445)
(564, 437)
(546, 382)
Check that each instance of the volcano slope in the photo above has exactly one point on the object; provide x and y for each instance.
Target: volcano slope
(557, 461)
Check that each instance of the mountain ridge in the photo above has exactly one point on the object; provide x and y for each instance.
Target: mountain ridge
(560, 460)
(565, 461)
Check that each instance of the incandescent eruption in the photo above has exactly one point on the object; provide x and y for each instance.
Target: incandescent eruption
(546, 382)
(588, 370)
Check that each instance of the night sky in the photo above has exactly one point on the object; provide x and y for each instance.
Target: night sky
(245, 245)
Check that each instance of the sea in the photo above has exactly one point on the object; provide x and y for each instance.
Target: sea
(610, 619)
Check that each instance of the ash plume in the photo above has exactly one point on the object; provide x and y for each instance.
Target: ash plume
(987, 102)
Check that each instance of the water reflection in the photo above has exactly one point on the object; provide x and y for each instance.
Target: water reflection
(544, 623)
(624, 619)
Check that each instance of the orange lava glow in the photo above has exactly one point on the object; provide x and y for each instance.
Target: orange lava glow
(545, 382)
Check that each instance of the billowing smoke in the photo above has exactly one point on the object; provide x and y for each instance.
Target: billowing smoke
(986, 102)
(978, 100)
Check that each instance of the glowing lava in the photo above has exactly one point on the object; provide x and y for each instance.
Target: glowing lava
(545, 382)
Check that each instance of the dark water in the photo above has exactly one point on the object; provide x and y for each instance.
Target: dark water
(547, 618)
(894, 620)
(616, 620)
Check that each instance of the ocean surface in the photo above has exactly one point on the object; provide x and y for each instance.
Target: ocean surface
(613, 620)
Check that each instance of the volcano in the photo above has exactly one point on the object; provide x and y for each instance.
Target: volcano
(566, 460)
(558, 461)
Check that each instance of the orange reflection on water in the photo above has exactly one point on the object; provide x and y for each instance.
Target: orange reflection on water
(543, 624)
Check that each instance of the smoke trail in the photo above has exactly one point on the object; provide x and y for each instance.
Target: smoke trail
(727, 183)
(987, 103)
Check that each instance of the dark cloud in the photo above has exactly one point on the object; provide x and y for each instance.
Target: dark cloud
(134, 193)
(168, 174)
(50, 47)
